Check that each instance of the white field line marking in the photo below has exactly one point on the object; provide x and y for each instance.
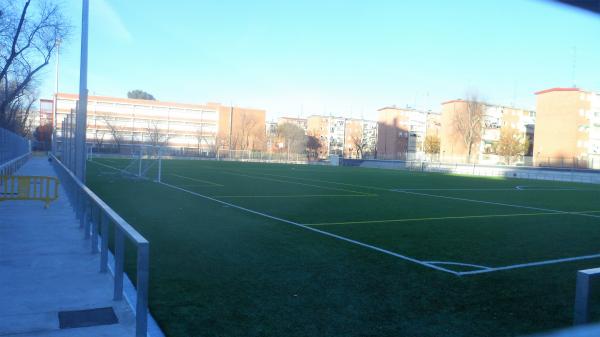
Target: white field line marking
(307, 179)
(496, 203)
(455, 189)
(362, 244)
(195, 185)
(197, 180)
(404, 257)
(528, 188)
(517, 188)
(292, 182)
(530, 264)
(110, 167)
(459, 264)
(298, 196)
(432, 218)
(106, 160)
(328, 182)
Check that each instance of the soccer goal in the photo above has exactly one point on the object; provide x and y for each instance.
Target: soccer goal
(145, 163)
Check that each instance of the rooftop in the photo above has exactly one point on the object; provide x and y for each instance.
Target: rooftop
(556, 89)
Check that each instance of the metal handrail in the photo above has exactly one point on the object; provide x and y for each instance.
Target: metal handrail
(95, 216)
(11, 166)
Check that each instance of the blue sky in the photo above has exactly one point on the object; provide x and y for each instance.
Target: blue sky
(341, 57)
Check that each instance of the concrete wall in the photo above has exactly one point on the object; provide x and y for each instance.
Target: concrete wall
(573, 175)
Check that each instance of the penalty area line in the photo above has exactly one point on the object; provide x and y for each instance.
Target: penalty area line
(529, 264)
(496, 203)
(335, 236)
(433, 218)
(107, 166)
(196, 179)
(298, 196)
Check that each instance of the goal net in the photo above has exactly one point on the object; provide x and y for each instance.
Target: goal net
(145, 163)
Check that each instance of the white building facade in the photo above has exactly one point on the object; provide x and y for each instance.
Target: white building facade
(125, 123)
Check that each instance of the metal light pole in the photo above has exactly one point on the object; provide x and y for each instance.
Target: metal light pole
(80, 146)
(54, 108)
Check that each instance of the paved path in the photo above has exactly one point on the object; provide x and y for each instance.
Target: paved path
(46, 266)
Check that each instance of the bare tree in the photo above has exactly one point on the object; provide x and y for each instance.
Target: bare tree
(293, 136)
(156, 137)
(244, 138)
(201, 138)
(360, 144)
(27, 42)
(99, 138)
(15, 117)
(469, 123)
(313, 145)
(114, 131)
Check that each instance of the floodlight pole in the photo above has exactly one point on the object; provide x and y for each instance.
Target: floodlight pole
(54, 122)
(83, 96)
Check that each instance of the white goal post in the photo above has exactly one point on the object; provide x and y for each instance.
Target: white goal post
(146, 163)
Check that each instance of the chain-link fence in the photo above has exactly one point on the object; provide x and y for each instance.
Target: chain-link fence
(65, 142)
(259, 156)
(583, 162)
(12, 146)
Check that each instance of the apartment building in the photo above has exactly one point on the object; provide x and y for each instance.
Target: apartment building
(401, 132)
(301, 122)
(495, 119)
(271, 136)
(434, 124)
(318, 126)
(46, 112)
(330, 132)
(343, 136)
(120, 124)
(567, 128)
(240, 128)
(360, 139)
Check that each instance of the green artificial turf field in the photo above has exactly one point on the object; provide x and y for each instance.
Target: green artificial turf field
(248, 249)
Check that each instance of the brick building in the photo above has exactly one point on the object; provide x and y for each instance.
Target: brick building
(494, 119)
(567, 128)
(119, 124)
